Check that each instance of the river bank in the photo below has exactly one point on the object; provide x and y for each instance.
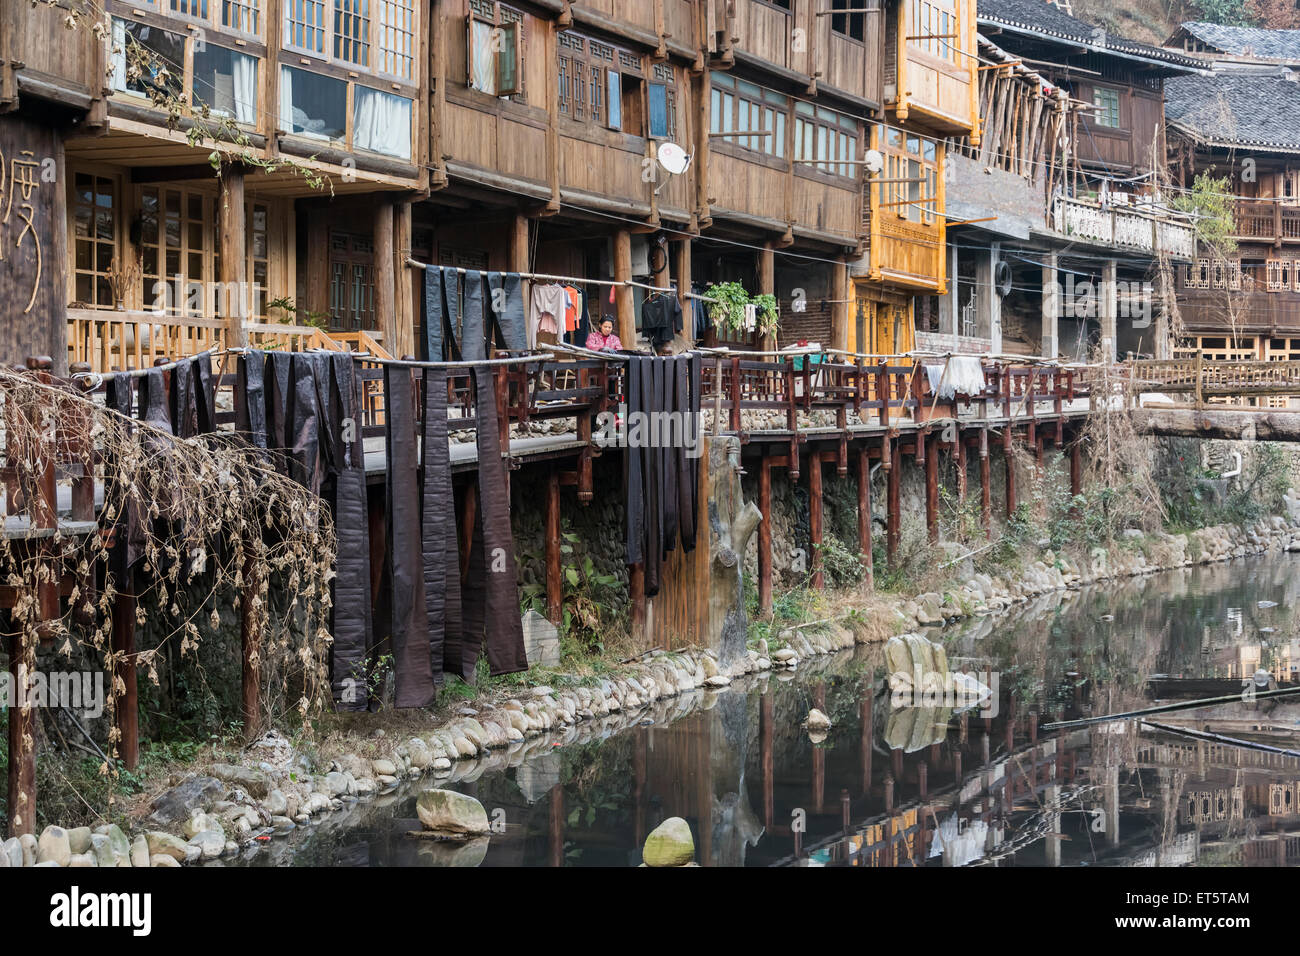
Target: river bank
(225, 802)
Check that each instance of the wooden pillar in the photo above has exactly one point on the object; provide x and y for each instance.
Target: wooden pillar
(22, 747)
(233, 233)
(765, 536)
(931, 486)
(636, 594)
(623, 293)
(554, 572)
(384, 277)
(555, 832)
(767, 282)
(864, 512)
(959, 459)
(840, 303)
(403, 292)
(815, 517)
(893, 531)
(127, 712)
(250, 635)
(1009, 458)
(682, 268)
(986, 490)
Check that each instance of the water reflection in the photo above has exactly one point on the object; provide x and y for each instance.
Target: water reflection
(991, 790)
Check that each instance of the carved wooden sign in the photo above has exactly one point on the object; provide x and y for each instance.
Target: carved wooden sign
(32, 316)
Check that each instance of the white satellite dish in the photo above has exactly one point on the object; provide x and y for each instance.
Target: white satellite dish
(875, 160)
(673, 158)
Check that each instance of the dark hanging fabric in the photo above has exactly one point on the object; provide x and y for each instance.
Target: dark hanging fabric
(433, 314)
(661, 317)
(506, 300)
(634, 496)
(278, 405)
(491, 594)
(438, 527)
(670, 452)
(353, 624)
(654, 522)
(410, 647)
(128, 538)
(473, 336)
(153, 400)
(182, 400)
(691, 493)
(682, 465)
(451, 314)
(204, 400)
(303, 431)
(250, 409)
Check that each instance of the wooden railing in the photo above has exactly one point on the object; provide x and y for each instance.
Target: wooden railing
(1206, 379)
(1267, 219)
(1123, 226)
(118, 339)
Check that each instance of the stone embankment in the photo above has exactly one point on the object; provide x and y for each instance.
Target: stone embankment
(278, 788)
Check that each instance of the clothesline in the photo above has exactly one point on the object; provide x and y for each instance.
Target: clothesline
(570, 280)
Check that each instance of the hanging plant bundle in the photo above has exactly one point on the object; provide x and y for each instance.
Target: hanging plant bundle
(730, 303)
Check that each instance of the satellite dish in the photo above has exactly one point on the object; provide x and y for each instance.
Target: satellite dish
(875, 160)
(673, 158)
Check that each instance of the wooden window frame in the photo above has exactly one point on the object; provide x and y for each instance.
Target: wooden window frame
(372, 40)
(848, 20)
(946, 50)
(896, 197)
(836, 130)
(510, 24)
(591, 72)
(1099, 109)
(778, 105)
(114, 208)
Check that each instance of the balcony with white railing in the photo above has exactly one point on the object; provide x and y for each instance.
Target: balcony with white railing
(1126, 227)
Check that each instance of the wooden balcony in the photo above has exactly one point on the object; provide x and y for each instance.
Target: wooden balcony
(1266, 220)
(1123, 227)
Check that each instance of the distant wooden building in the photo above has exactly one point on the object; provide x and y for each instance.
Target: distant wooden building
(1240, 124)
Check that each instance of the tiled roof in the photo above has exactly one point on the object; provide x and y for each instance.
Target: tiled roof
(1236, 108)
(1045, 19)
(1247, 41)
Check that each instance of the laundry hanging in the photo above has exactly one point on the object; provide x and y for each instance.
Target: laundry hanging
(662, 467)
(546, 314)
(661, 317)
(506, 301)
(441, 312)
(490, 597)
(438, 528)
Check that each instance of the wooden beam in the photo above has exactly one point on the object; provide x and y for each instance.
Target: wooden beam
(931, 486)
(893, 531)
(127, 712)
(250, 639)
(233, 253)
(22, 747)
(986, 490)
(765, 535)
(815, 519)
(623, 293)
(554, 571)
(385, 277)
(864, 511)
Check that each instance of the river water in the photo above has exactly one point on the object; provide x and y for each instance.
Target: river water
(987, 787)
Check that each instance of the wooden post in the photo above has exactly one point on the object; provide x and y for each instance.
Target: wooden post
(403, 293)
(22, 748)
(682, 267)
(1009, 457)
(765, 535)
(959, 458)
(128, 707)
(250, 637)
(554, 584)
(815, 517)
(931, 485)
(233, 253)
(840, 303)
(767, 282)
(986, 491)
(385, 278)
(864, 512)
(623, 293)
(893, 449)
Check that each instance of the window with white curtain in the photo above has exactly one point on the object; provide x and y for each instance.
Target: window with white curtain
(381, 122)
(314, 105)
(226, 82)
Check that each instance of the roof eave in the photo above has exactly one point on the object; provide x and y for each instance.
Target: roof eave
(1170, 65)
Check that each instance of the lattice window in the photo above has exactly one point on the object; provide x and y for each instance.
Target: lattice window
(177, 246)
(740, 106)
(242, 15)
(198, 9)
(259, 256)
(305, 25)
(352, 31)
(1273, 276)
(935, 28)
(1198, 274)
(94, 238)
(395, 37)
(1219, 276)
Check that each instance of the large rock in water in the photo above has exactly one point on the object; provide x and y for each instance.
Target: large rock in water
(451, 814)
(669, 844)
